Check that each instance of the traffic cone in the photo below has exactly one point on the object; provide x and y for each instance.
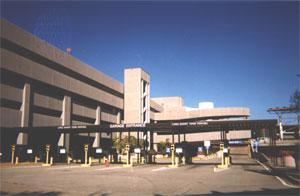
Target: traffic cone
(107, 163)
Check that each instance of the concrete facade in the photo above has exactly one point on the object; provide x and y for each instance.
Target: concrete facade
(44, 86)
(136, 96)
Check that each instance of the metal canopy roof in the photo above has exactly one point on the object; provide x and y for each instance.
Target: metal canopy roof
(160, 128)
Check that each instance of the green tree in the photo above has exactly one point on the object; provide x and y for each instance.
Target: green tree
(121, 144)
(295, 100)
(161, 146)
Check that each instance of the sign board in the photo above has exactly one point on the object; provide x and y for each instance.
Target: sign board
(168, 150)
(235, 142)
(98, 150)
(200, 149)
(29, 151)
(207, 143)
(137, 150)
(132, 125)
(62, 151)
(207, 147)
(225, 150)
(178, 150)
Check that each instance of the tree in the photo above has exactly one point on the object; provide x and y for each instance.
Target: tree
(295, 100)
(161, 146)
(121, 144)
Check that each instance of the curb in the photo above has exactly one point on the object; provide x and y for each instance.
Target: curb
(292, 182)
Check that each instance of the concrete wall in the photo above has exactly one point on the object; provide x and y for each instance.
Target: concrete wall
(169, 102)
(181, 113)
(194, 137)
(36, 77)
(133, 95)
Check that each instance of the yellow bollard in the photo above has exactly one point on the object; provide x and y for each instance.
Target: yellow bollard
(183, 160)
(228, 161)
(174, 162)
(177, 161)
(131, 161)
(90, 160)
(69, 160)
(47, 156)
(13, 148)
(127, 161)
(35, 159)
(143, 160)
(173, 157)
(85, 158)
(86, 148)
(223, 165)
(51, 160)
(222, 158)
(17, 160)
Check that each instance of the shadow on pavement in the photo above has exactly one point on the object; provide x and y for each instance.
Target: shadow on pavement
(290, 191)
(27, 193)
(244, 163)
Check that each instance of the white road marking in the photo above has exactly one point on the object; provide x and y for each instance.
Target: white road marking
(68, 167)
(159, 169)
(20, 167)
(162, 168)
(264, 166)
(284, 183)
(110, 168)
(278, 178)
(218, 170)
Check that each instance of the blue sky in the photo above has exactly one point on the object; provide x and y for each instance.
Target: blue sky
(232, 53)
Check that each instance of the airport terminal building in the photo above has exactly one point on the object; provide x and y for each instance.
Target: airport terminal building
(43, 86)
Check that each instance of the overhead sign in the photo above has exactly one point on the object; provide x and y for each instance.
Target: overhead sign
(72, 127)
(137, 150)
(200, 149)
(168, 150)
(98, 150)
(62, 151)
(29, 151)
(206, 143)
(190, 123)
(235, 142)
(133, 125)
(178, 150)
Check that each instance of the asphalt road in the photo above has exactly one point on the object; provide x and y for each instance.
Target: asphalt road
(244, 177)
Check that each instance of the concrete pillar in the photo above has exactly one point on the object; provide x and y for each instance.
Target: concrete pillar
(298, 127)
(119, 134)
(66, 120)
(151, 140)
(25, 109)
(173, 138)
(97, 140)
(280, 128)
